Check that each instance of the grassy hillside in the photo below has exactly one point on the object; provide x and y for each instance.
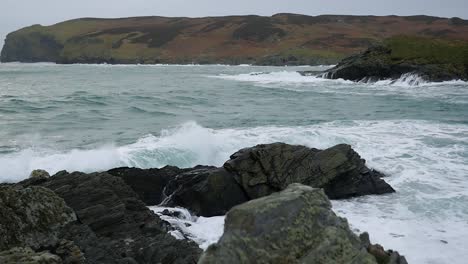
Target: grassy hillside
(278, 40)
(419, 50)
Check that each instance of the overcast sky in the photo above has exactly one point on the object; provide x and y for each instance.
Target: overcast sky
(20, 13)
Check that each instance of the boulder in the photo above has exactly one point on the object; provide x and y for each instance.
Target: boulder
(206, 191)
(296, 225)
(148, 183)
(340, 171)
(32, 217)
(113, 225)
(41, 174)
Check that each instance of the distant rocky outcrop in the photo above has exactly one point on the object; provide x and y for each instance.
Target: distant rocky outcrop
(282, 39)
(433, 60)
(296, 225)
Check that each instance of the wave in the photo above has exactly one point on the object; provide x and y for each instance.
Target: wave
(293, 77)
(190, 144)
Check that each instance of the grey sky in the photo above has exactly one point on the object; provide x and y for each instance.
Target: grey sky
(20, 13)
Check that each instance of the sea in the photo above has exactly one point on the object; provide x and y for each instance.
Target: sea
(96, 117)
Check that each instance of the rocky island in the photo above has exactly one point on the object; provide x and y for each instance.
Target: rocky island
(282, 39)
(276, 197)
(433, 60)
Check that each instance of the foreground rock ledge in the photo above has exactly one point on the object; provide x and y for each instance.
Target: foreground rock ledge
(112, 224)
(296, 225)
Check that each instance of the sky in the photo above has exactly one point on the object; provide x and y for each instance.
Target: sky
(20, 13)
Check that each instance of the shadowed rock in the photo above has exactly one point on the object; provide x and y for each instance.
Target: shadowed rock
(206, 191)
(149, 183)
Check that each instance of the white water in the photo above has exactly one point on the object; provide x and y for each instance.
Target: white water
(291, 77)
(202, 230)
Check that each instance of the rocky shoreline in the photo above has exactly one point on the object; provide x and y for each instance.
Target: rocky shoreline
(433, 60)
(276, 198)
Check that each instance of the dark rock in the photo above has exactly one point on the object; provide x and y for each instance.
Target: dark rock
(382, 256)
(206, 191)
(148, 184)
(114, 225)
(265, 169)
(371, 64)
(296, 225)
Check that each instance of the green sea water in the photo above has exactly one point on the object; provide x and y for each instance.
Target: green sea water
(96, 117)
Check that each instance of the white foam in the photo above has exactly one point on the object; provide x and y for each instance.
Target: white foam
(202, 230)
(279, 77)
(293, 77)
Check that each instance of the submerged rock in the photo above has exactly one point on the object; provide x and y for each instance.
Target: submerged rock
(264, 169)
(296, 225)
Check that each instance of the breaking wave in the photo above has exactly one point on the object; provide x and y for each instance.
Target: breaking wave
(293, 77)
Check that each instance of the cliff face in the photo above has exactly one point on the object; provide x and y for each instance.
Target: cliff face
(278, 40)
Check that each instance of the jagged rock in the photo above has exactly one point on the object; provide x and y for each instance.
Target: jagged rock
(149, 183)
(28, 256)
(206, 191)
(264, 169)
(31, 217)
(114, 225)
(382, 256)
(296, 225)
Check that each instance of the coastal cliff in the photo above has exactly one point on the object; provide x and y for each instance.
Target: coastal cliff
(282, 39)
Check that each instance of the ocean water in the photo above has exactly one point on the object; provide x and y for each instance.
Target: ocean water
(96, 117)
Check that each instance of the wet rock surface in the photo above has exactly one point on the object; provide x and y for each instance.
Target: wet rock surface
(265, 169)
